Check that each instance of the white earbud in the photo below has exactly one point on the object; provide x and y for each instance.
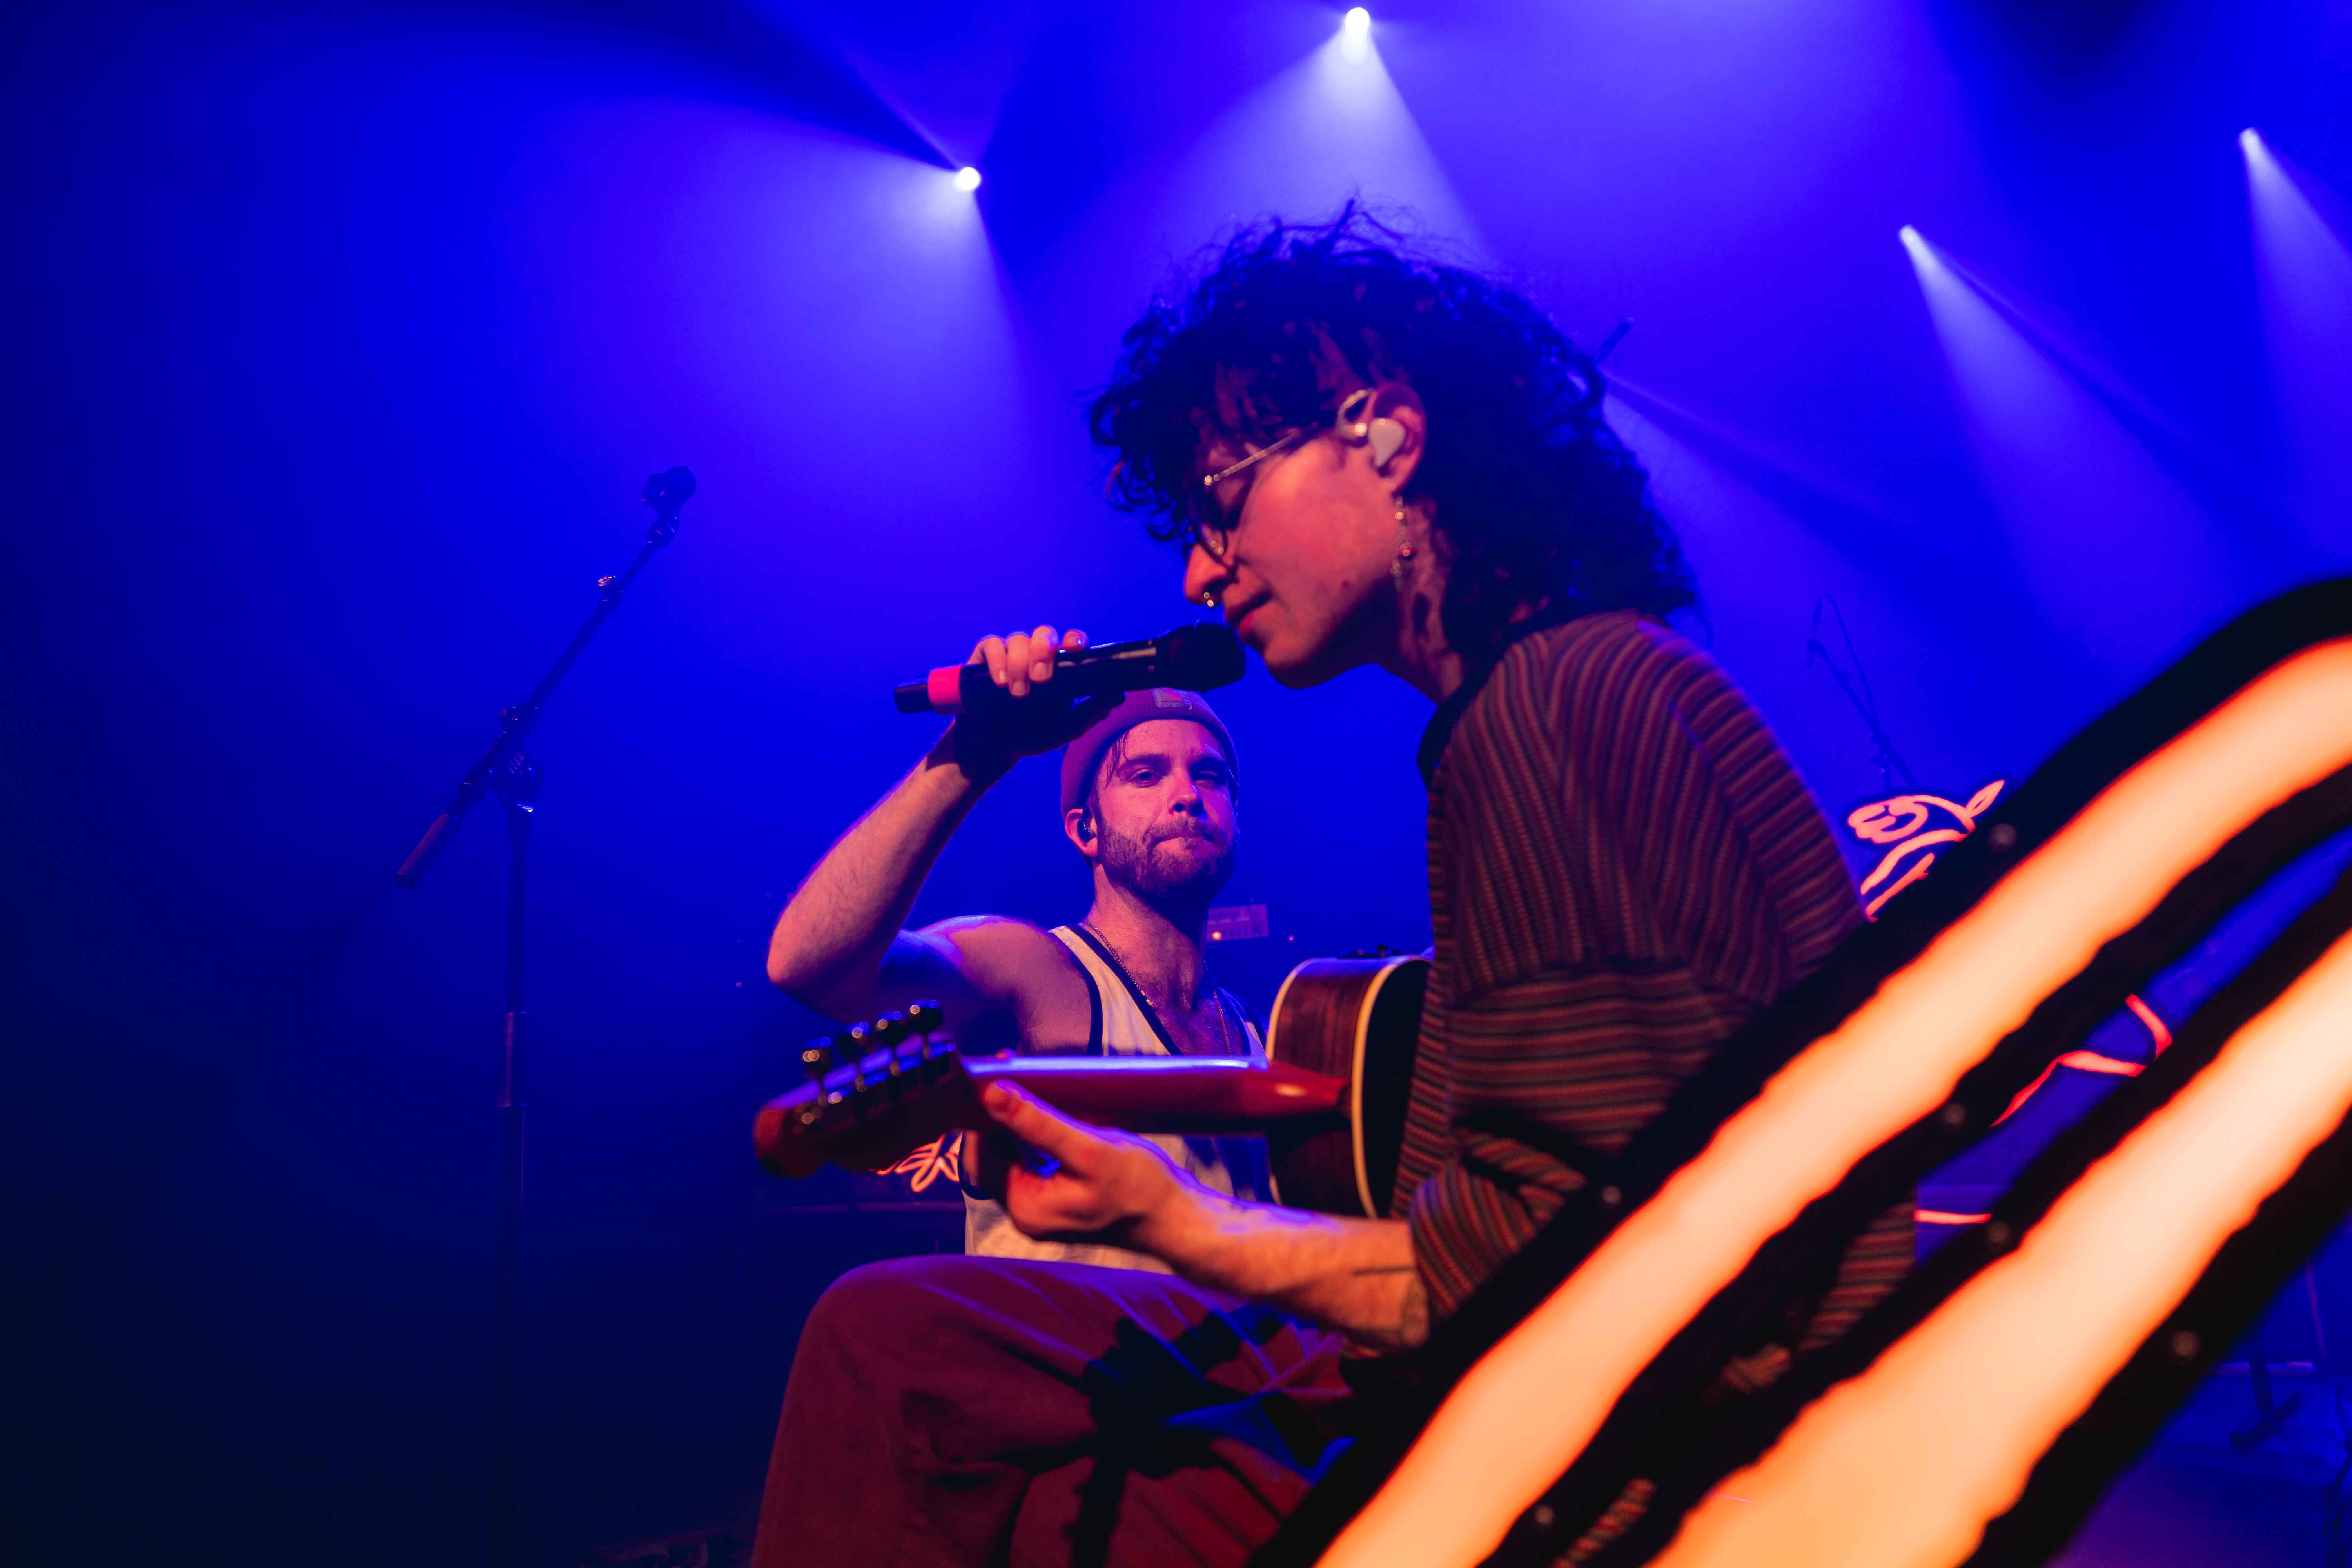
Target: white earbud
(1384, 437)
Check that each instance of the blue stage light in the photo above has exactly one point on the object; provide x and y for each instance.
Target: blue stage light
(1356, 23)
(2079, 493)
(966, 178)
(2303, 270)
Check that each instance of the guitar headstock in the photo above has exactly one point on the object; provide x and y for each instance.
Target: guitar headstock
(874, 1090)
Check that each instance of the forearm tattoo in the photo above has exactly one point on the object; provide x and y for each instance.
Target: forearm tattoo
(1412, 1324)
(1412, 1312)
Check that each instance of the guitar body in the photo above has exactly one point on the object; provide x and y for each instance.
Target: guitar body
(1358, 1020)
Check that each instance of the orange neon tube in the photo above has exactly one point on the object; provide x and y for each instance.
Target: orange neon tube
(1527, 1408)
(1905, 1465)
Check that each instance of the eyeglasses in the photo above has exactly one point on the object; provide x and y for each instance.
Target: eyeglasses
(1212, 526)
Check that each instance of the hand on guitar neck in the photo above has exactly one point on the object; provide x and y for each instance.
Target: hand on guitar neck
(1064, 1180)
(882, 1088)
(903, 1082)
(1358, 1276)
(1330, 1097)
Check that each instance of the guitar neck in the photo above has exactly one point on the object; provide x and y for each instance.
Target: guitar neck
(1332, 1097)
(1167, 1094)
(871, 1112)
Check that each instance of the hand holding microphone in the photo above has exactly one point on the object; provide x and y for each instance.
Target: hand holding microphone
(1028, 692)
(1019, 662)
(1005, 699)
(1001, 670)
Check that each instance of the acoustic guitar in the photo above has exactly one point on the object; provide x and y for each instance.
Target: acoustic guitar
(1329, 1096)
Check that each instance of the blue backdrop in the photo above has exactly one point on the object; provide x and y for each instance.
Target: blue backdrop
(341, 342)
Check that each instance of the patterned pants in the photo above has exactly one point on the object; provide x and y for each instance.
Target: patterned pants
(982, 1411)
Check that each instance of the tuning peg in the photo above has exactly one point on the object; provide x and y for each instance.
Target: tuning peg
(888, 1030)
(856, 1041)
(920, 1022)
(817, 1059)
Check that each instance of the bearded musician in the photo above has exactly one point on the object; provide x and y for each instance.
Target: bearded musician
(1148, 798)
(1368, 459)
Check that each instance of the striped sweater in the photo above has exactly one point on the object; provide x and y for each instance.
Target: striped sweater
(1623, 870)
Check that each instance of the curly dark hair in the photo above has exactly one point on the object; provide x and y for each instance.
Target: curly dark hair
(1536, 503)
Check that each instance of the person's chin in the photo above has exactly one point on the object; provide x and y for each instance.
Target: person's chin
(1295, 655)
(1298, 668)
(1192, 864)
(1189, 850)
(1280, 654)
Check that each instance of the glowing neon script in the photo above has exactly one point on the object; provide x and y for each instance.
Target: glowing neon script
(941, 1158)
(1899, 821)
(2093, 1061)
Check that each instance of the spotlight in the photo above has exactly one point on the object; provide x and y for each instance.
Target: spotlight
(2248, 141)
(1356, 23)
(966, 178)
(1911, 239)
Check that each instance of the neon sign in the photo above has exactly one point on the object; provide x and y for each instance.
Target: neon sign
(940, 1159)
(1903, 822)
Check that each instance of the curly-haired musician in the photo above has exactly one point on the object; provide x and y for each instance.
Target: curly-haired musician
(1369, 459)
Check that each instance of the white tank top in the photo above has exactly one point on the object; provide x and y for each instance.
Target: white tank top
(1125, 1026)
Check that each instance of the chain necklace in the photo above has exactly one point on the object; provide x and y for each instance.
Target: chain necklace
(1224, 1017)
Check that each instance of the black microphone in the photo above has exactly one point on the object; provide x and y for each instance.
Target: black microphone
(669, 490)
(1198, 658)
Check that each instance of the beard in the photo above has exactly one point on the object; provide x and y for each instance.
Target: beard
(1166, 864)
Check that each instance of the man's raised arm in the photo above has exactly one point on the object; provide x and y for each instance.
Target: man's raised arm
(839, 946)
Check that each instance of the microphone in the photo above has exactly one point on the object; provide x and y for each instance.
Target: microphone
(1198, 658)
(669, 490)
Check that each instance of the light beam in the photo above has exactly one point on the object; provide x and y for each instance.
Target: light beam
(1331, 127)
(2107, 540)
(2304, 274)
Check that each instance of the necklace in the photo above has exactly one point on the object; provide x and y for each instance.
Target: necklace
(1224, 1015)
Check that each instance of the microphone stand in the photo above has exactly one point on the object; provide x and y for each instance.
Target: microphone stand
(507, 770)
(1866, 702)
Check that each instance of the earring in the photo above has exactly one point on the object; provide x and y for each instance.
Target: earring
(1404, 549)
(1209, 598)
